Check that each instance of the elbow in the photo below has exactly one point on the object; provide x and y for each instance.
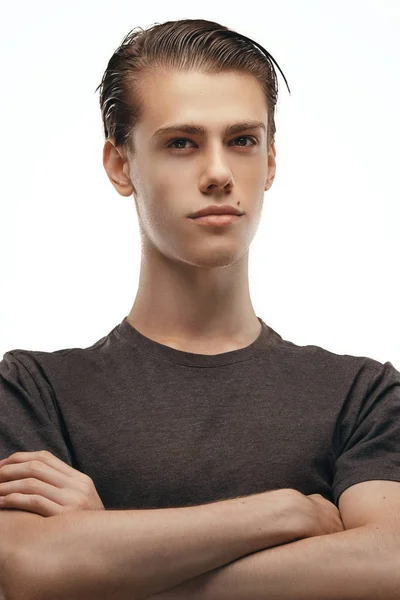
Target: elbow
(22, 575)
(22, 546)
(12, 578)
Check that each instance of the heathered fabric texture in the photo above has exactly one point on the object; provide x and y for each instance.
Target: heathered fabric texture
(156, 427)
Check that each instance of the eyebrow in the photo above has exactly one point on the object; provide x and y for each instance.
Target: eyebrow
(194, 129)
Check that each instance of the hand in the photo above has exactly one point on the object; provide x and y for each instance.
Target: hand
(41, 483)
(318, 515)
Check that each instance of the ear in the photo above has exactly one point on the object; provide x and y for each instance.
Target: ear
(116, 164)
(271, 166)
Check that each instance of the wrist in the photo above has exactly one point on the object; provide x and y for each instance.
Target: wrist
(275, 519)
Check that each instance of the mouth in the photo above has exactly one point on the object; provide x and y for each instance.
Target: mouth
(217, 220)
(216, 209)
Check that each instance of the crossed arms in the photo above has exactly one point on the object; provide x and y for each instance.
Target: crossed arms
(360, 563)
(106, 554)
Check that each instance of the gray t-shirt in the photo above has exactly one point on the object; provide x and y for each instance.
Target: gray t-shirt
(156, 427)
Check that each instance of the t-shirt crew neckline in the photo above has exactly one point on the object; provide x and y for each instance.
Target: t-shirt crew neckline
(264, 340)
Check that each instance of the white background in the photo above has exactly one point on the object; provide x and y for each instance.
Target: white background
(324, 265)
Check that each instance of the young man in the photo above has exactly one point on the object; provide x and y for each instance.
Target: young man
(193, 406)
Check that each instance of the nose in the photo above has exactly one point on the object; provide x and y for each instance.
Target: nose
(216, 172)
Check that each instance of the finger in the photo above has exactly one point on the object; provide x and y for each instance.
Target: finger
(33, 487)
(40, 471)
(45, 457)
(32, 503)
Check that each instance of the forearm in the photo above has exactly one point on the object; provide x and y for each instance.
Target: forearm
(355, 564)
(135, 554)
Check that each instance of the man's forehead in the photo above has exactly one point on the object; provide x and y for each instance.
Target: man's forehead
(190, 106)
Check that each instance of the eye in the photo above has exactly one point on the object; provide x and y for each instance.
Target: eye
(242, 137)
(247, 137)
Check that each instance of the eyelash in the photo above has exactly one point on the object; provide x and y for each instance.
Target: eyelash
(250, 137)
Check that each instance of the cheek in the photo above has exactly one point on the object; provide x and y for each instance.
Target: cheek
(163, 183)
(157, 208)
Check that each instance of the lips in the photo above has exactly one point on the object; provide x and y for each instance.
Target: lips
(225, 209)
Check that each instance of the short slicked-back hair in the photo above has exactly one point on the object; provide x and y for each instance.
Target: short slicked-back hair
(184, 45)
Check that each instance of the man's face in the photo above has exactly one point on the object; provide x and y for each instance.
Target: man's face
(174, 178)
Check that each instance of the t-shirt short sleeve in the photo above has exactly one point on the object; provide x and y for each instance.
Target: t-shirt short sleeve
(29, 420)
(370, 432)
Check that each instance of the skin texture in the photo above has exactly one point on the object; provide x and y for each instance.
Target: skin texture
(41, 483)
(193, 292)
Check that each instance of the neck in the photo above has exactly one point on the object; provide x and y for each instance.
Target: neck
(195, 308)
